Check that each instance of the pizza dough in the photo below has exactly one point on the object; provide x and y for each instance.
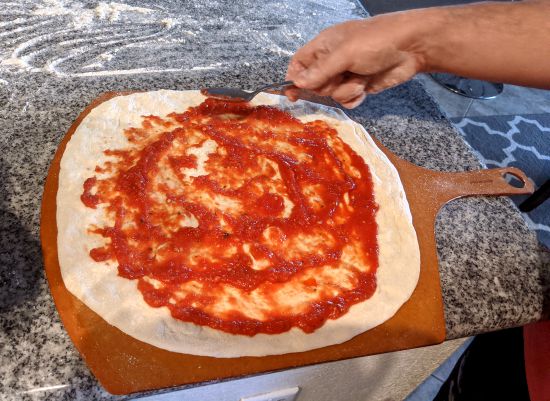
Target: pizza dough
(119, 302)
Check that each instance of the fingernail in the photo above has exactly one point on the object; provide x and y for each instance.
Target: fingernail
(302, 78)
(293, 69)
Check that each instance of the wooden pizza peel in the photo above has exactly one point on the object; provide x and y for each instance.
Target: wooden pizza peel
(125, 365)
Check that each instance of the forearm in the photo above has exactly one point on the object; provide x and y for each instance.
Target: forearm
(505, 42)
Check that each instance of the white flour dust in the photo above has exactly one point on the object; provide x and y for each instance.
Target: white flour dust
(102, 38)
(81, 16)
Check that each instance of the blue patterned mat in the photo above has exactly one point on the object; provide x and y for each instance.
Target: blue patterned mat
(521, 141)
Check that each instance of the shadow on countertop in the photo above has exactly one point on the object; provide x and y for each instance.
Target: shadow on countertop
(20, 255)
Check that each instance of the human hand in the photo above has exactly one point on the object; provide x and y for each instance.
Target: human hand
(350, 60)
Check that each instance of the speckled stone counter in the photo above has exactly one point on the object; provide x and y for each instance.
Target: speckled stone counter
(55, 58)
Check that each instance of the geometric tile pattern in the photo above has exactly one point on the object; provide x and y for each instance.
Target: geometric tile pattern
(521, 141)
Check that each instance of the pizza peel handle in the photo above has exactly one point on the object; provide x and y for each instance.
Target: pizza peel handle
(429, 190)
(482, 182)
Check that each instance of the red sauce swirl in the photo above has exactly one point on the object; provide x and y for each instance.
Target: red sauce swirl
(227, 202)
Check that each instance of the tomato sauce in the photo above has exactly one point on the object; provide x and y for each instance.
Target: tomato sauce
(288, 178)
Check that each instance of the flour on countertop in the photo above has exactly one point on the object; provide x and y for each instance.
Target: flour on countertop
(84, 16)
(168, 22)
(99, 38)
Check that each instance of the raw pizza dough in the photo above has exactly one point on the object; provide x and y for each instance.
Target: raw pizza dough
(120, 303)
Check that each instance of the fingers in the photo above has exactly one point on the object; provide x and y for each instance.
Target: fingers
(318, 62)
(355, 102)
(330, 86)
(296, 65)
(353, 91)
(292, 93)
(321, 72)
(393, 77)
(350, 90)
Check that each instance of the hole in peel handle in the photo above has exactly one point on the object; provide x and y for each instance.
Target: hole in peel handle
(516, 181)
(513, 180)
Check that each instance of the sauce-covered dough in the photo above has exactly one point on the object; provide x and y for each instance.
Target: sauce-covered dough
(240, 218)
(232, 229)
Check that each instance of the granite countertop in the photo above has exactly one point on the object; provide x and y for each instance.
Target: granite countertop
(56, 58)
